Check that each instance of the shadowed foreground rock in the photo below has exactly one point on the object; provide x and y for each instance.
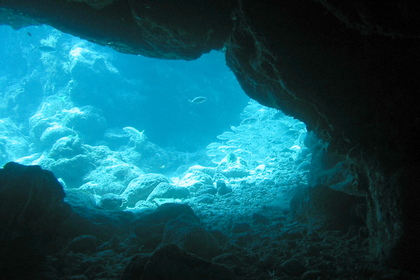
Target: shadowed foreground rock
(170, 262)
(31, 210)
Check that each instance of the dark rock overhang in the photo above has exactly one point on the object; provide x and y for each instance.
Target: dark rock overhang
(179, 30)
(350, 71)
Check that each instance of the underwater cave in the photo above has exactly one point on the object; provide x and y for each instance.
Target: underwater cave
(131, 148)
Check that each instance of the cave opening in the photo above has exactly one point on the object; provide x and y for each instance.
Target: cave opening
(108, 125)
(350, 72)
(128, 135)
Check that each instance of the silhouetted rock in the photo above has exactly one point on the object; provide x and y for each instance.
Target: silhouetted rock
(31, 212)
(150, 227)
(83, 244)
(170, 262)
(186, 232)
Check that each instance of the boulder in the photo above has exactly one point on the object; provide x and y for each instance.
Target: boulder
(31, 212)
(67, 147)
(111, 176)
(195, 179)
(135, 267)
(83, 244)
(111, 201)
(150, 227)
(102, 223)
(186, 232)
(204, 198)
(165, 190)
(53, 133)
(222, 188)
(233, 167)
(71, 170)
(87, 120)
(206, 189)
(141, 187)
(80, 198)
(293, 267)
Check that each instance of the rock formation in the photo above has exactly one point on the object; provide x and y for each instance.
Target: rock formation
(350, 71)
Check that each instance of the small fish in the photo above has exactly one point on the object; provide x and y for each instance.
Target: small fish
(29, 34)
(45, 48)
(249, 121)
(225, 148)
(226, 135)
(134, 133)
(233, 142)
(212, 153)
(242, 152)
(198, 100)
(213, 145)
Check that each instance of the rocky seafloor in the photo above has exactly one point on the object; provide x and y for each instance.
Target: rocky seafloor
(249, 206)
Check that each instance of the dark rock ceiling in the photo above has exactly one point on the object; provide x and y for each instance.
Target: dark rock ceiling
(350, 70)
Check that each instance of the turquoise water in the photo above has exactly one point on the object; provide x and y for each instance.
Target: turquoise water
(76, 108)
(127, 135)
(41, 64)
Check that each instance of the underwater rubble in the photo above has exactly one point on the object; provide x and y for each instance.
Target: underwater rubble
(235, 216)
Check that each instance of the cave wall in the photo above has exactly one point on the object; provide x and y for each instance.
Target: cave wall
(357, 91)
(178, 30)
(350, 71)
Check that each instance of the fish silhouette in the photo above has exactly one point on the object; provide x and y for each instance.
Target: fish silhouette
(198, 100)
(45, 48)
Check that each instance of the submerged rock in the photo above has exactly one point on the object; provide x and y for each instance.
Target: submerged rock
(293, 268)
(83, 244)
(206, 189)
(53, 133)
(150, 227)
(31, 212)
(135, 267)
(186, 232)
(165, 190)
(141, 187)
(188, 267)
(195, 179)
(87, 120)
(111, 176)
(204, 198)
(233, 167)
(222, 188)
(111, 201)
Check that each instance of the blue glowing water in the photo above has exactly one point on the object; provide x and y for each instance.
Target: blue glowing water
(40, 64)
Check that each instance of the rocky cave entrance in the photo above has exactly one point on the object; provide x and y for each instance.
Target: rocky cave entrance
(123, 139)
(349, 71)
